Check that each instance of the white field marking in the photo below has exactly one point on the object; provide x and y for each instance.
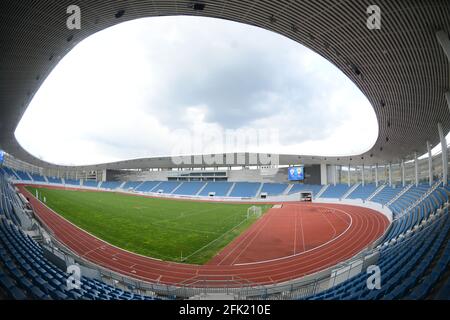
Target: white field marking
(92, 250)
(190, 215)
(298, 254)
(334, 229)
(182, 229)
(251, 241)
(247, 235)
(209, 243)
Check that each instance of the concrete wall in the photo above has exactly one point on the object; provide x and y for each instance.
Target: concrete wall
(312, 174)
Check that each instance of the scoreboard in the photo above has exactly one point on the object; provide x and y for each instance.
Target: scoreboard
(296, 173)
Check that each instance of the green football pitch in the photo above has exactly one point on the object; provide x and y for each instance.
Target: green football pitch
(173, 230)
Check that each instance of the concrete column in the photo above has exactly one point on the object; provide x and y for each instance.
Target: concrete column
(349, 175)
(323, 174)
(430, 164)
(416, 168)
(376, 175)
(334, 174)
(444, 154)
(363, 180)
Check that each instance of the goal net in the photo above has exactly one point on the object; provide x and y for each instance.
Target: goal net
(254, 212)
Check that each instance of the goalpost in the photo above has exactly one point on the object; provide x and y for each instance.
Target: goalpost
(254, 211)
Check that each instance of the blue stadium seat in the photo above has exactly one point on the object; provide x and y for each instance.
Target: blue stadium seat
(245, 189)
(219, 188)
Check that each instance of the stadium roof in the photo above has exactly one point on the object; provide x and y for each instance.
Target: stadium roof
(402, 69)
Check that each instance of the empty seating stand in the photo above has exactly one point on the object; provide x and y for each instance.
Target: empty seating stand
(336, 191)
(412, 266)
(299, 187)
(72, 182)
(10, 173)
(409, 268)
(147, 186)
(131, 185)
(23, 175)
(219, 189)
(110, 185)
(189, 188)
(387, 194)
(410, 196)
(245, 189)
(90, 183)
(25, 273)
(362, 192)
(38, 178)
(274, 189)
(166, 187)
(54, 180)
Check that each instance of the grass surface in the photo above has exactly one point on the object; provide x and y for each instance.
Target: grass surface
(175, 230)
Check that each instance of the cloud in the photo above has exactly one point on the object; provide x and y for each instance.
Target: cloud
(140, 88)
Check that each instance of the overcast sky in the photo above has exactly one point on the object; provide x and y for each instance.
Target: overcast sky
(180, 85)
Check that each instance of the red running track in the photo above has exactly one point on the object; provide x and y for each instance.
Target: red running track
(285, 244)
(291, 230)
